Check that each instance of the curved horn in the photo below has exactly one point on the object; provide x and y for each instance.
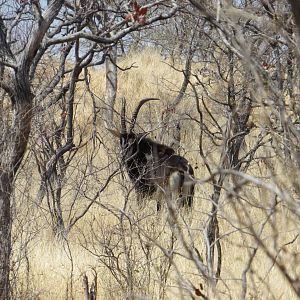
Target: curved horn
(123, 112)
(135, 113)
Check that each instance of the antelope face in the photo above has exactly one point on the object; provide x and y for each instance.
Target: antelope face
(128, 142)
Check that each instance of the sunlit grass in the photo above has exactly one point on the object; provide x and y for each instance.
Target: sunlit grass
(51, 264)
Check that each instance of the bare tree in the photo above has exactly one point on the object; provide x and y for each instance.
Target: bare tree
(62, 27)
(13, 145)
(262, 55)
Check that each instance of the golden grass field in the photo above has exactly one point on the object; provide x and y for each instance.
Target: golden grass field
(48, 268)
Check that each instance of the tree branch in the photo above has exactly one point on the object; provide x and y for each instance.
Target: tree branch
(6, 57)
(40, 27)
(103, 39)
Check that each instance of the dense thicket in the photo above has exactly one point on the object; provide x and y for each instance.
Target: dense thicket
(227, 74)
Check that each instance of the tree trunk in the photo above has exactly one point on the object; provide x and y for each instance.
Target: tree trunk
(5, 233)
(12, 152)
(111, 84)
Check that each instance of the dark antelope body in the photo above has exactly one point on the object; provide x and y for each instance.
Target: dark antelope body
(152, 166)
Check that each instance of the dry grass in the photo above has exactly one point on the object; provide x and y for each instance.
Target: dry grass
(49, 264)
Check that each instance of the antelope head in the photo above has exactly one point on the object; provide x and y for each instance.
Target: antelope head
(128, 139)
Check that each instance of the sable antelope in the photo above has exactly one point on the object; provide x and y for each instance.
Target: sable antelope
(152, 166)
